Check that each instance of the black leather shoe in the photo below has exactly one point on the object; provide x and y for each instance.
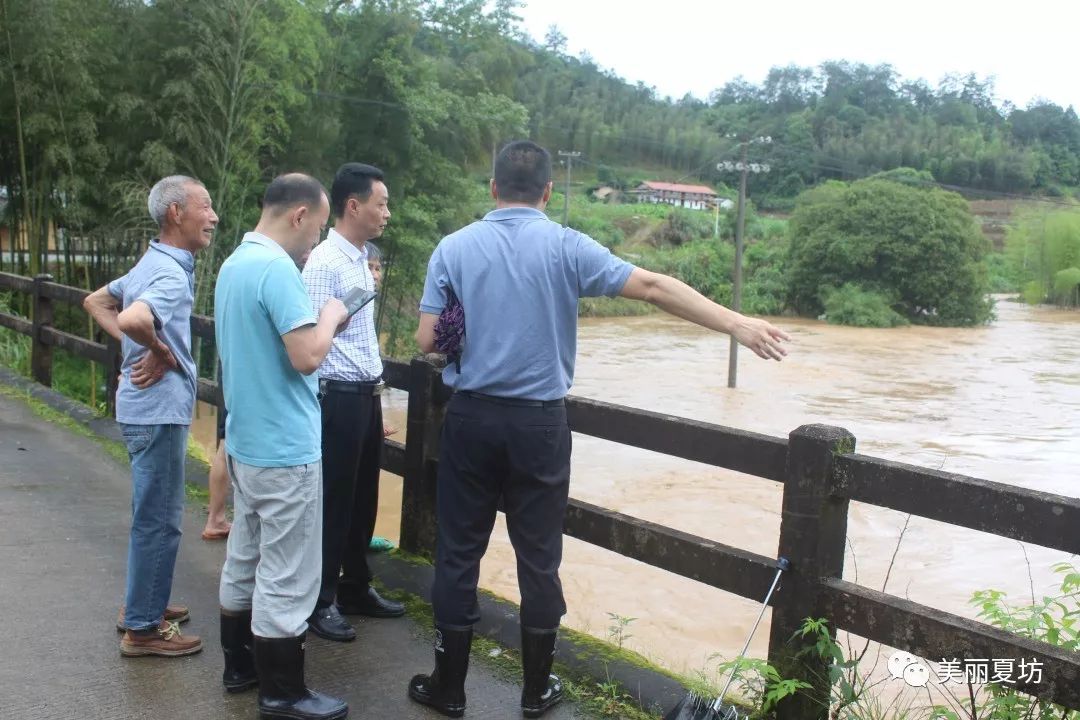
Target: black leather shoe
(327, 623)
(373, 605)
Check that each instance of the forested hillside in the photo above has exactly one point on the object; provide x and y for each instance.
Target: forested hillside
(98, 98)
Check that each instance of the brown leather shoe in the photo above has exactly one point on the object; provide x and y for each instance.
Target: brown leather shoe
(173, 613)
(165, 642)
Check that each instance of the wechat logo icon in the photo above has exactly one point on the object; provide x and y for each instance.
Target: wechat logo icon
(905, 666)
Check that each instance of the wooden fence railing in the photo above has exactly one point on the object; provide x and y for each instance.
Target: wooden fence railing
(820, 472)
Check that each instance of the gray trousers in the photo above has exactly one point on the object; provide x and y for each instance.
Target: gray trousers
(273, 561)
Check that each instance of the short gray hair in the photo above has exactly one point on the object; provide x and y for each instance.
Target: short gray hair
(166, 191)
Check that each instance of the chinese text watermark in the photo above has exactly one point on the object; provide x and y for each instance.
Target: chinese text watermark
(976, 671)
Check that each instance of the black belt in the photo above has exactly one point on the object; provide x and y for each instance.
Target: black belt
(367, 387)
(516, 402)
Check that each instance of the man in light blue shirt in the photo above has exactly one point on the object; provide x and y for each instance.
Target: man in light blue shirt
(537, 270)
(518, 277)
(271, 344)
(149, 311)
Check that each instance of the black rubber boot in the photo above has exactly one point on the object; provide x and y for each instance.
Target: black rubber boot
(236, 643)
(282, 692)
(444, 688)
(542, 690)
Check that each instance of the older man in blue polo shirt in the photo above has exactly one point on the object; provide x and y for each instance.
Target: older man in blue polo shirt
(271, 343)
(518, 276)
(149, 311)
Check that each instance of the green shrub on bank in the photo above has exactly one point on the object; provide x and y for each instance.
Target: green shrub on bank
(765, 281)
(1067, 287)
(1002, 276)
(684, 226)
(1043, 251)
(703, 265)
(921, 245)
(1053, 619)
(854, 693)
(602, 231)
(852, 305)
(612, 307)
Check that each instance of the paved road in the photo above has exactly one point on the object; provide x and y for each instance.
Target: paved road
(64, 514)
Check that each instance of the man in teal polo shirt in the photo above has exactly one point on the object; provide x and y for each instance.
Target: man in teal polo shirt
(271, 344)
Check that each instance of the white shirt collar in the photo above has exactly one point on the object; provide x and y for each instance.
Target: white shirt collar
(351, 251)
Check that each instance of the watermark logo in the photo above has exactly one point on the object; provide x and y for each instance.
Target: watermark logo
(982, 671)
(903, 665)
(976, 671)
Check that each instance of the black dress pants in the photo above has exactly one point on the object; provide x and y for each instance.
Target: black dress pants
(352, 438)
(492, 449)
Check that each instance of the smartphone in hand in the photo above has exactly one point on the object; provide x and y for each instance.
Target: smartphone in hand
(357, 298)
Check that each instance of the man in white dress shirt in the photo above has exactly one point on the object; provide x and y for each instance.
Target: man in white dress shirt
(350, 383)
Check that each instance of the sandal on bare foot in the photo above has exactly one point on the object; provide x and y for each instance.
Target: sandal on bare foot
(216, 534)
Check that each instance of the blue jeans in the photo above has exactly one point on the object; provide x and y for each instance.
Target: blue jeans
(157, 508)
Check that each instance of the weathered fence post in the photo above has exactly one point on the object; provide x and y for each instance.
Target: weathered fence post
(423, 423)
(813, 529)
(40, 352)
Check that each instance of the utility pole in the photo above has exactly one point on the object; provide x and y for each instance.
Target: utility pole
(569, 155)
(744, 168)
(736, 294)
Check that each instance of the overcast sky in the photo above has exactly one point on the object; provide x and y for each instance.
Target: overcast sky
(695, 46)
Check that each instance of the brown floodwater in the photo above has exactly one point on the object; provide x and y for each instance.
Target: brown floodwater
(1000, 402)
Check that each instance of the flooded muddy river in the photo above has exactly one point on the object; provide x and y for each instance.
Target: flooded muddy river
(1000, 402)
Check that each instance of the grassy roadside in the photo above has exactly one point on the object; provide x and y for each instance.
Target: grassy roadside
(42, 410)
(195, 493)
(598, 697)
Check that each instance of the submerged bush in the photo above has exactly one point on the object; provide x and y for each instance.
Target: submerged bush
(852, 305)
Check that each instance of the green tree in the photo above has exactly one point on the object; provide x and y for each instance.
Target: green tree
(919, 247)
(52, 159)
(236, 91)
(555, 40)
(423, 111)
(1043, 251)
(227, 72)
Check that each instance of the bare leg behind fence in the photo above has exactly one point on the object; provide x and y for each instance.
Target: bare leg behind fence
(217, 524)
